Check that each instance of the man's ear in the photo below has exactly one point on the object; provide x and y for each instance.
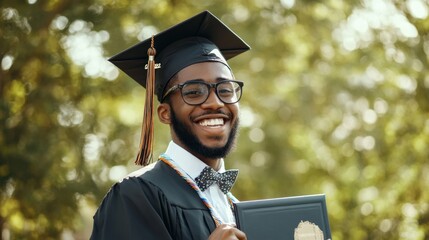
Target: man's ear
(164, 114)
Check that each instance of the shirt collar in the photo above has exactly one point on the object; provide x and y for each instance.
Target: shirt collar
(188, 162)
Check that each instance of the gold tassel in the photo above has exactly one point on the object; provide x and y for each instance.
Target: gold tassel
(144, 156)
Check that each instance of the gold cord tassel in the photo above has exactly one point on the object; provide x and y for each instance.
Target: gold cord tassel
(144, 156)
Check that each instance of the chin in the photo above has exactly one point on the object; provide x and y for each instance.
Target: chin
(208, 145)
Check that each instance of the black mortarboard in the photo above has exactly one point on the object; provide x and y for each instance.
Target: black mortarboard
(201, 38)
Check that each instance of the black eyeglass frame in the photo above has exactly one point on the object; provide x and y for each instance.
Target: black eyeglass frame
(209, 87)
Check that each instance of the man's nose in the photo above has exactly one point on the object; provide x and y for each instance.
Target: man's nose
(213, 100)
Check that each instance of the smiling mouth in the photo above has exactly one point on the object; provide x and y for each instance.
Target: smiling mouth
(212, 122)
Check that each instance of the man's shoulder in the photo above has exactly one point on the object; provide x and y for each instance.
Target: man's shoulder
(136, 185)
(156, 174)
(142, 170)
(159, 179)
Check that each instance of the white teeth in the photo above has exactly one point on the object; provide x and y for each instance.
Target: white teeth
(212, 122)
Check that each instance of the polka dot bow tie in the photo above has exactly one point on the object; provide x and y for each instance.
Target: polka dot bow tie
(225, 180)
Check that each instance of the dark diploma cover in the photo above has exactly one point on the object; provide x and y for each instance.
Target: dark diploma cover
(291, 218)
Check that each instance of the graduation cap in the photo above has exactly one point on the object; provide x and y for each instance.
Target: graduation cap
(154, 61)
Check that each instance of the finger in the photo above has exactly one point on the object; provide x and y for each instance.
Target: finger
(239, 234)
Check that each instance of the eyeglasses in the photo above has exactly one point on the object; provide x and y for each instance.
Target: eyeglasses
(196, 92)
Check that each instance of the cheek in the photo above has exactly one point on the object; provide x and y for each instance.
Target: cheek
(235, 110)
(181, 110)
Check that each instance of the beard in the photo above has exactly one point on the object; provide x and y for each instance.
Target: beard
(196, 146)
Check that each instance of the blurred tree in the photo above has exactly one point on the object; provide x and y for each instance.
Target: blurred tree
(336, 101)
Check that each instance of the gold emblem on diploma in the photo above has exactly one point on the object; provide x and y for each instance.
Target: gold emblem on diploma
(308, 231)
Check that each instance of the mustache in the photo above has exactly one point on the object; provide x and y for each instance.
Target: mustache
(211, 112)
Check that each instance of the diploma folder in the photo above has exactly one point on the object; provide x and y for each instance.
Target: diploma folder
(291, 218)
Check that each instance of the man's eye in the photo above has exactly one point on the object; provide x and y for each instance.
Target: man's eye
(225, 91)
(193, 93)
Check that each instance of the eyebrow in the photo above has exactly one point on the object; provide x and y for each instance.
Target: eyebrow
(219, 79)
(223, 79)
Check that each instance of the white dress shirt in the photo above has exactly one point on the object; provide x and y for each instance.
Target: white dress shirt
(193, 167)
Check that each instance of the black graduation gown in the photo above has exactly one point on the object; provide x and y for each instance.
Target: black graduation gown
(158, 204)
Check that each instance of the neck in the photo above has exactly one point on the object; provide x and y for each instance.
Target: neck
(214, 163)
(211, 162)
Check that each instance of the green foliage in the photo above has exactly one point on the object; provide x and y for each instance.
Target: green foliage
(336, 101)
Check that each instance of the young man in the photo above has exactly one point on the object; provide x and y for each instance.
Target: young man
(186, 193)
